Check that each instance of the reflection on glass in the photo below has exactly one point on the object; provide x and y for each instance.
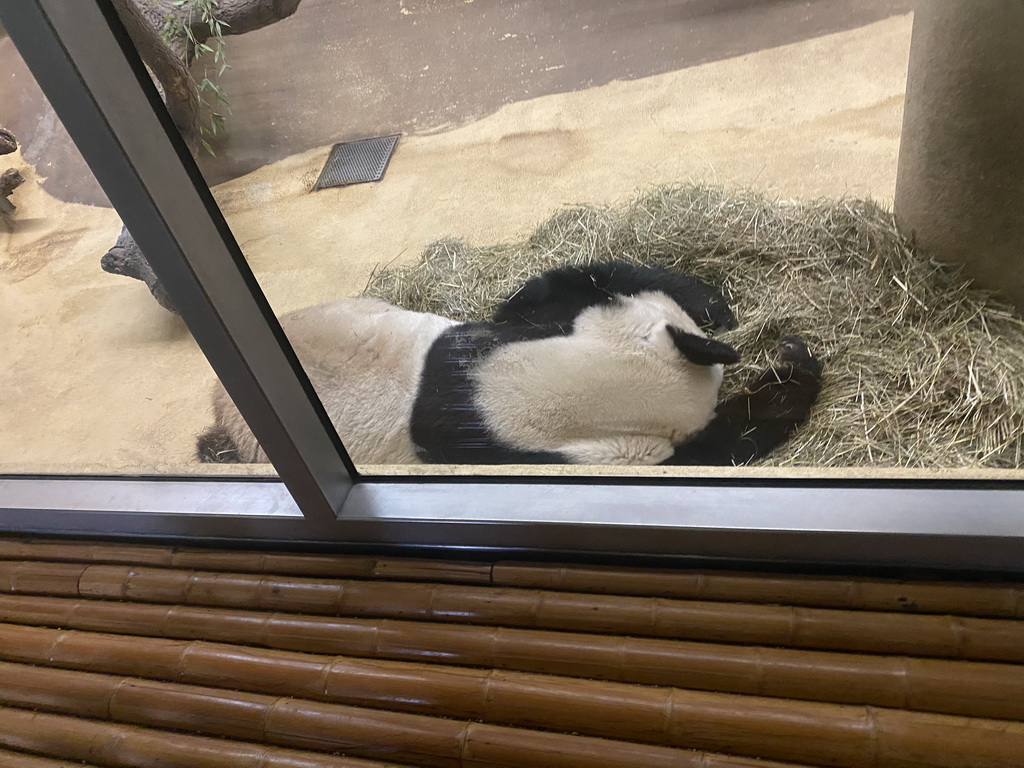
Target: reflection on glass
(722, 178)
(97, 376)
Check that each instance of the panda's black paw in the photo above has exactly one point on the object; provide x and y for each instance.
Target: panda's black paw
(793, 351)
(763, 415)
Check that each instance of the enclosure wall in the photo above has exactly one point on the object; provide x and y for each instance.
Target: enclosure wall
(960, 185)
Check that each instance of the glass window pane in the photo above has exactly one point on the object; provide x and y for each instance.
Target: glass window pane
(98, 377)
(752, 147)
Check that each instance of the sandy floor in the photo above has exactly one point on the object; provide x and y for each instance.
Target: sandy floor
(98, 378)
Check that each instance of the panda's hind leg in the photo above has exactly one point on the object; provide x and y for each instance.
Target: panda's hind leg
(216, 445)
(763, 415)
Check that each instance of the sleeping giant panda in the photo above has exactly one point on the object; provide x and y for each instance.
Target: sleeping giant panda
(606, 364)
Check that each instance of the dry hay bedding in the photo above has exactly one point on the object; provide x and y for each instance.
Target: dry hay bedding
(921, 371)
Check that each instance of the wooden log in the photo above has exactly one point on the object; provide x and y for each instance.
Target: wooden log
(963, 688)
(816, 628)
(10, 180)
(849, 737)
(125, 746)
(309, 725)
(7, 142)
(993, 600)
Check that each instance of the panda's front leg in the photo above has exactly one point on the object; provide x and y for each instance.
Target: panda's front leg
(754, 422)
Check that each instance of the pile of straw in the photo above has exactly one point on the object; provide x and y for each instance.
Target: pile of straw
(921, 371)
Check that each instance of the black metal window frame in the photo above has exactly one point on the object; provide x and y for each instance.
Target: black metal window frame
(83, 60)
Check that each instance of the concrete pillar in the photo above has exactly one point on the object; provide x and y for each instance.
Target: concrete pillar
(960, 184)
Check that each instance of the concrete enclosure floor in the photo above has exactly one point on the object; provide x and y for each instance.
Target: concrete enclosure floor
(98, 378)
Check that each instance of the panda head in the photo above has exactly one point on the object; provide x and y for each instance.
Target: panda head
(558, 296)
(653, 324)
(637, 370)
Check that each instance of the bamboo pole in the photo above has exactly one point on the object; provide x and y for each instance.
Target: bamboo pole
(962, 688)
(844, 736)
(22, 760)
(75, 550)
(816, 628)
(973, 599)
(40, 577)
(293, 723)
(299, 564)
(993, 600)
(125, 746)
(952, 687)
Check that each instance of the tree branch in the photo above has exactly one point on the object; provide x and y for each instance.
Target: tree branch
(237, 16)
(168, 60)
(9, 181)
(168, 66)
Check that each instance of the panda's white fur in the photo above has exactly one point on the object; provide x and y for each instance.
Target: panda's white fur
(364, 358)
(614, 391)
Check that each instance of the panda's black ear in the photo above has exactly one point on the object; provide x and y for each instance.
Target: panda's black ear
(702, 351)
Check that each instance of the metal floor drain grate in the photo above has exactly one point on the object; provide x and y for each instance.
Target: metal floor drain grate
(355, 162)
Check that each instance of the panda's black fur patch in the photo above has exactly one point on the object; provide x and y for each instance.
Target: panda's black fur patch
(446, 426)
(216, 446)
(558, 296)
(763, 416)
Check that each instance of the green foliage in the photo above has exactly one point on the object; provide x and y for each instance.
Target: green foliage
(210, 53)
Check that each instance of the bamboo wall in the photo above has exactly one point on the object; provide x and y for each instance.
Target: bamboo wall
(115, 655)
